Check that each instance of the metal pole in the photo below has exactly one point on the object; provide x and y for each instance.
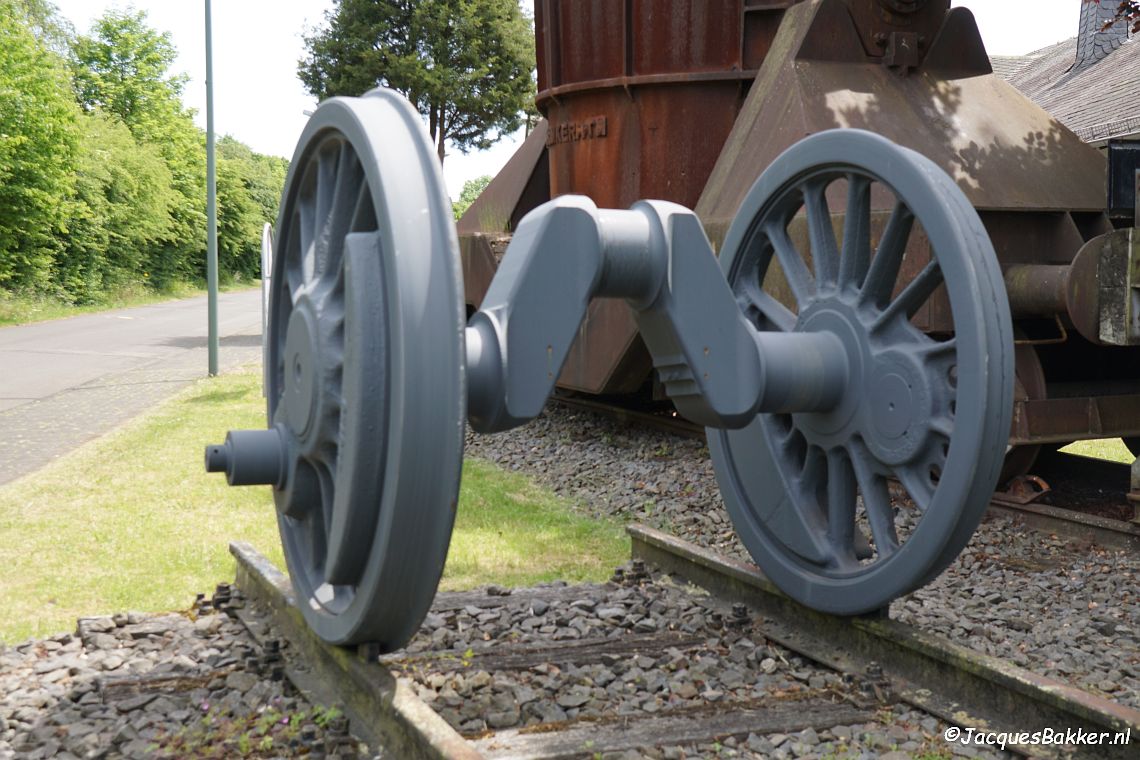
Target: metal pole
(211, 204)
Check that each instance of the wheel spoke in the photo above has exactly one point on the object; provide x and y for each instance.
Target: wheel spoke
(814, 468)
(314, 542)
(942, 426)
(752, 298)
(938, 350)
(363, 214)
(841, 495)
(876, 503)
(856, 258)
(328, 161)
(795, 270)
(916, 293)
(824, 251)
(884, 269)
(328, 493)
(349, 182)
(291, 260)
(915, 478)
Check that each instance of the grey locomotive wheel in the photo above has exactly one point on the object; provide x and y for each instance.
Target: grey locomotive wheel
(366, 381)
(809, 492)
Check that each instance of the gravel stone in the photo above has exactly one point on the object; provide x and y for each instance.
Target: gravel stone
(128, 685)
(1073, 616)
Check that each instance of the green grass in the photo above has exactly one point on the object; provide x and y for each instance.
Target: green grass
(1112, 449)
(132, 522)
(512, 532)
(24, 308)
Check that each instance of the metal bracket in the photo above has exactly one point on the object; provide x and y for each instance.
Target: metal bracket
(902, 52)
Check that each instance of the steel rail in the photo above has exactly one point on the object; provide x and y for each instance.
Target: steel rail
(963, 687)
(382, 711)
(1106, 532)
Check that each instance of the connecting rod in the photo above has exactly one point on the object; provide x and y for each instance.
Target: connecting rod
(716, 367)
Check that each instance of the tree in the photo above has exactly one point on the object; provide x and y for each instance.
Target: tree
(121, 209)
(123, 68)
(38, 138)
(263, 177)
(472, 188)
(47, 25)
(466, 65)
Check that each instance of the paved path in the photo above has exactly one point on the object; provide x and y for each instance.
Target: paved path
(67, 381)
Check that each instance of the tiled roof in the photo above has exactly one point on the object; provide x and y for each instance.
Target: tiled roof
(1005, 66)
(1098, 101)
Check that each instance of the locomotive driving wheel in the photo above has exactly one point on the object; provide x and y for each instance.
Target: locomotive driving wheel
(810, 494)
(368, 424)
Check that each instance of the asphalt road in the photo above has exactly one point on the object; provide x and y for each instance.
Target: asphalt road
(67, 381)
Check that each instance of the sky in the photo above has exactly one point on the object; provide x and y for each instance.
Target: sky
(257, 43)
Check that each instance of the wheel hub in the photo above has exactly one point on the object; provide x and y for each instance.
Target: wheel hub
(886, 394)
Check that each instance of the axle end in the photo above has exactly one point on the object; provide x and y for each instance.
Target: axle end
(249, 458)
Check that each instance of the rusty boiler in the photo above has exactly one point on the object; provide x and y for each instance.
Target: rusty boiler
(689, 101)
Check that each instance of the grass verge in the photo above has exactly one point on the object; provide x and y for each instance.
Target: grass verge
(25, 308)
(512, 532)
(1112, 449)
(131, 521)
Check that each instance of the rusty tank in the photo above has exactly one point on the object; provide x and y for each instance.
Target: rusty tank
(689, 101)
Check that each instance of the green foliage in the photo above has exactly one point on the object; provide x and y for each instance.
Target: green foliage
(239, 222)
(249, 192)
(471, 190)
(123, 68)
(264, 176)
(38, 138)
(41, 16)
(465, 64)
(122, 209)
(105, 190)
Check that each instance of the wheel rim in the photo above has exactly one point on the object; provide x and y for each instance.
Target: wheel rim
(808, 493)
(371, 421)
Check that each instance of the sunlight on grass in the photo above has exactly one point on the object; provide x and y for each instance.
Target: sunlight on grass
(1112, 449)
(511, 532)
(131, 521)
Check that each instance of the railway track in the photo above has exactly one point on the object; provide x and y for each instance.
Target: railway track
(1063, 510)
(683, 654)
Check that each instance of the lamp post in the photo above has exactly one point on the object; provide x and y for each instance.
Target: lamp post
(211, 206)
